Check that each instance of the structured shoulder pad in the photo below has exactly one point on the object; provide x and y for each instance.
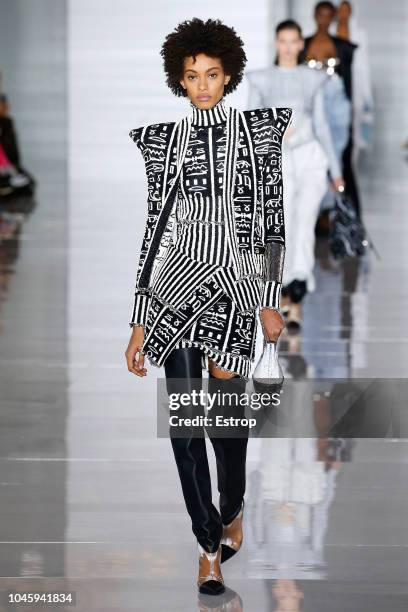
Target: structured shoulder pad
(268, 123)
(153, 135)
(255, 115)
(278, 117)
(137, 136)
(282, 118)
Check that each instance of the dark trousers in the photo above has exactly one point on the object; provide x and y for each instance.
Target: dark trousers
(184, 374)
(348, 174)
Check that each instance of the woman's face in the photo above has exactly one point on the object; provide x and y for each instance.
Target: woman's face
(204, 80)
(288, 44)
(324, 16)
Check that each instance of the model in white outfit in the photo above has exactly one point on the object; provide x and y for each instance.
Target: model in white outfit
(308, 152)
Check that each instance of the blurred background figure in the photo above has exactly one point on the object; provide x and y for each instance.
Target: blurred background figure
(308, 153)
(14, 179)
(348, 27)
(334, 55)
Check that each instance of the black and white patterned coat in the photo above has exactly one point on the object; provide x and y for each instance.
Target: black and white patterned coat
(254, 219)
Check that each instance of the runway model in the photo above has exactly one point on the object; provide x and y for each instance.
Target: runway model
(334, 56)
(211, 262)
(308, 153)
(349, 27)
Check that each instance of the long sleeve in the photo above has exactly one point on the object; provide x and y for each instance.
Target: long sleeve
(274, 223)
(322, 131)
(141, 295)
(363, 98)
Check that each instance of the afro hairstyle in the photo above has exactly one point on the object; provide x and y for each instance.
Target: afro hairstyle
(211, 37)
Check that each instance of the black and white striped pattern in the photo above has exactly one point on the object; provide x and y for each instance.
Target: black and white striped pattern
(271, 294)
(213, 173)
(201, 231)
(202, 273)
(164, 147)
(209, 116)
(201, 238)
(230, 171)
(179, 276)
(230, 362)
(140, 309)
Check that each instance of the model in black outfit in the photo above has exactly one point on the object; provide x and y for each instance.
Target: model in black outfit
(322, 46)
(212, 255)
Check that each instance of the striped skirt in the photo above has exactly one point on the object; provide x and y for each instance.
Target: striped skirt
(198, 304)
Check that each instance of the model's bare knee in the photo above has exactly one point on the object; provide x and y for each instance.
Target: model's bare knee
(217, 372)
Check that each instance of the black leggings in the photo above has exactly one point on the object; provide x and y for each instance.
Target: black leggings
(184, 374)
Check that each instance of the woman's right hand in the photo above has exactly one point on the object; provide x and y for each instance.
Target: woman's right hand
(134, 356)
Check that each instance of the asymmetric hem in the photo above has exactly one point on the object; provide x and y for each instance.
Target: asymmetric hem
(237, 364)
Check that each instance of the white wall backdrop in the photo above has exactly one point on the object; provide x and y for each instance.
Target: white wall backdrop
(116, 76)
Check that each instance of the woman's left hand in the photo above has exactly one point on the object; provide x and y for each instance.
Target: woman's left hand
(338, 184)
(272, 323)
